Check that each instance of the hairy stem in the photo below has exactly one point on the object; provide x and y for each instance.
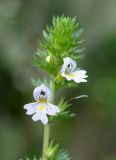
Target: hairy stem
(46, 140)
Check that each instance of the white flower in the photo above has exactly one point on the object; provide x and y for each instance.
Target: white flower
(41, 107)
(68, 71)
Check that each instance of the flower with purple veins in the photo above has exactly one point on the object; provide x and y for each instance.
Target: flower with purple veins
(41, 107)
(68, 71)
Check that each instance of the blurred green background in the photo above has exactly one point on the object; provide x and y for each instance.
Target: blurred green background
(92, 134)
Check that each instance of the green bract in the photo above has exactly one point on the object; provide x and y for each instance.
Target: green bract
(64, 112)
(55, 153)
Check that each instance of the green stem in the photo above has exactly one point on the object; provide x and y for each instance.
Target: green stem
(47, 132)
(46, 140)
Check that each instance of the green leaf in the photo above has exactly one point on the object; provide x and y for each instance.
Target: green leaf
(64, 112)
(55, 152)
(37, 82)
(63, 115)
(62, 155)
(78, 97)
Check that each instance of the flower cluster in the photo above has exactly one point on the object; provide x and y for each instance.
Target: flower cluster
(42, 93)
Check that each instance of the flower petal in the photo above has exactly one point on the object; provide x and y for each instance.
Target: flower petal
(81, 73)
(31, 108)
(79, 76)
(40, 115)
(44, 118)
(36, 116)
(79, 80)
(42, 88)
(42, 107)
(68, 66)
(52, 109)
(66, 76)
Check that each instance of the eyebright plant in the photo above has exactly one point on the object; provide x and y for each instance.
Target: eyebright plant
(58, 55)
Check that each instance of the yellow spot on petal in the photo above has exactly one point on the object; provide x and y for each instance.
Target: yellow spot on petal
(42, 100)
(72, 75)
(41, 108)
